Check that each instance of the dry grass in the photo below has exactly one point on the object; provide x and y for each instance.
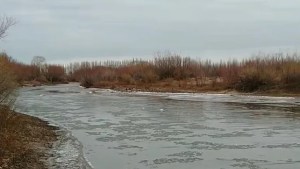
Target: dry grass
(24, 140)
(173, 73)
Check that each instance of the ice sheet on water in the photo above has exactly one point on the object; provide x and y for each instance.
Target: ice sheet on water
(233, 98)
(67, 153)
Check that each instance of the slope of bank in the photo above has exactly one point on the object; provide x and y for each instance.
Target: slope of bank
(26, 141)
(176, 87)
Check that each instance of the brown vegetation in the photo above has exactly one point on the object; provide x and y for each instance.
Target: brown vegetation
(25, 141)
(7, 82)
(276, 73)
(171, 72)
(35, 73)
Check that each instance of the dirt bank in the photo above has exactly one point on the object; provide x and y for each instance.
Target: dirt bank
(25, 141)
(185, 88)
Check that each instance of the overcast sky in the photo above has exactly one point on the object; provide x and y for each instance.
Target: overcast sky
(71, 30)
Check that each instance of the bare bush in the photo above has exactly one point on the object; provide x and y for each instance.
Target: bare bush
(7, 83)
(55, 73)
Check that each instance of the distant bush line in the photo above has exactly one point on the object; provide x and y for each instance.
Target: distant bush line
(273, 72)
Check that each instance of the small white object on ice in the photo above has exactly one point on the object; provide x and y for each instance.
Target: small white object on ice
(161, 110)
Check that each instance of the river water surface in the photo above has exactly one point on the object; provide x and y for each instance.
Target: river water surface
(172, 131)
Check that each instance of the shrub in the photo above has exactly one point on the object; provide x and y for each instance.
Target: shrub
(7, 83)
(55, 73)
(250, 82)
(126, 78)
(86, 82)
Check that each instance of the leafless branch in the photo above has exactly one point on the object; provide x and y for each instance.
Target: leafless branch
(5, 24)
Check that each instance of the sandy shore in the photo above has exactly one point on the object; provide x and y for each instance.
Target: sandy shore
(26, 141)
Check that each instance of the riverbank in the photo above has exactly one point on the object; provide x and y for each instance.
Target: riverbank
(35, 83)
(177, 87)
(26, 141)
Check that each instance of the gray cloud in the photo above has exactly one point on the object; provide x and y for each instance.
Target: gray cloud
(63, 30)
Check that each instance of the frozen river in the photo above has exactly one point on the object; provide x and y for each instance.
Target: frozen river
(172, 131)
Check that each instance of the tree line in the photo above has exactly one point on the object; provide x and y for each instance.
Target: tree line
(277, 71)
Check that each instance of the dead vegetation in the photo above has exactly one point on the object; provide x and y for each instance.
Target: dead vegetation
(25, 141)
(171, 72)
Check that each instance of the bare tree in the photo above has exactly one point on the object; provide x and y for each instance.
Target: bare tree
(5, 24)
(40, 63)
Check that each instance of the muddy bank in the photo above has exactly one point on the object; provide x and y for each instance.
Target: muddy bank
(26, 141)
(188, 89)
